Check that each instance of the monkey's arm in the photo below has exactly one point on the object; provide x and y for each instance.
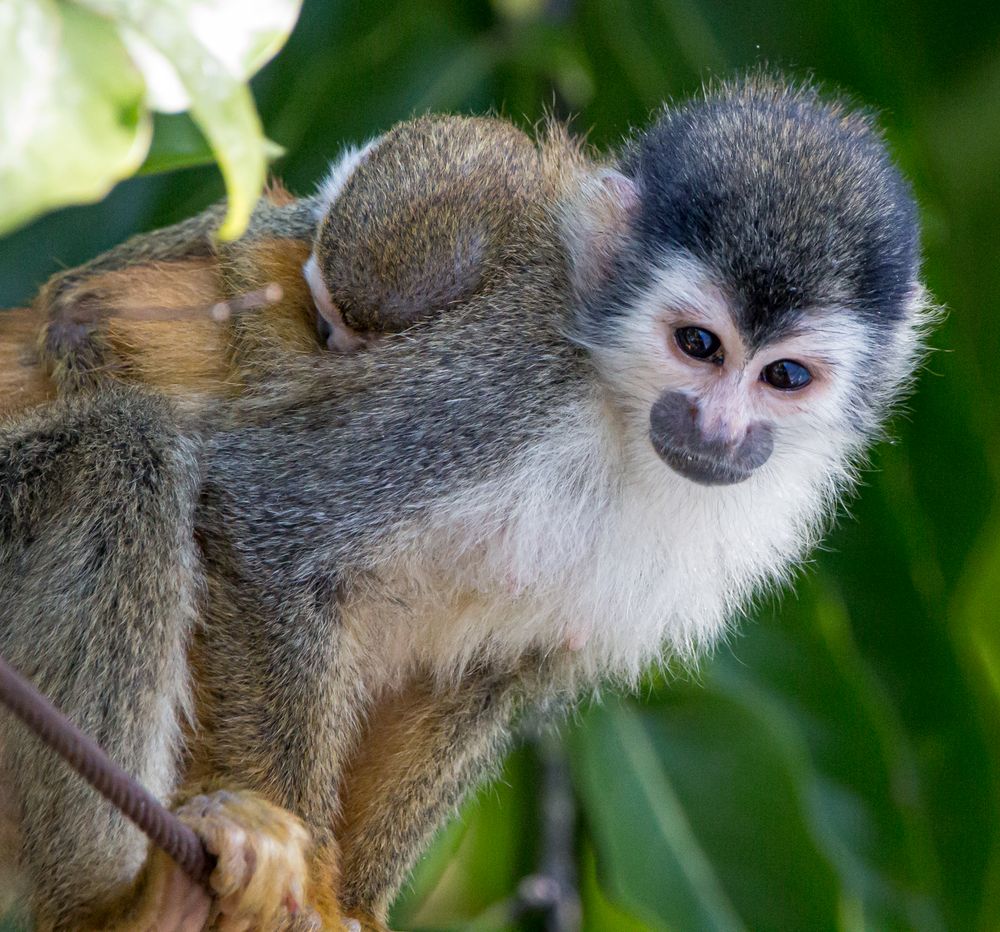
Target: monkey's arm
(141, 312)
(96, 622)
(423, 752)
(99, 579)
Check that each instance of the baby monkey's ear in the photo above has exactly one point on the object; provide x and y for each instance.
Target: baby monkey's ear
(596, 222)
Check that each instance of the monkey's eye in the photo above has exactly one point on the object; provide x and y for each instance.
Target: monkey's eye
(701, 344)
(786, 375)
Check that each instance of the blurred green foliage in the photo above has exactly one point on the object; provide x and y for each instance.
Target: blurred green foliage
(838, 765)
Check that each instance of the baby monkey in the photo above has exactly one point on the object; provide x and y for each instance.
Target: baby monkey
(417, 221)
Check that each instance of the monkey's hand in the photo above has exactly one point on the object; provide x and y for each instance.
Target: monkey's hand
(72, 342)
(260, 879)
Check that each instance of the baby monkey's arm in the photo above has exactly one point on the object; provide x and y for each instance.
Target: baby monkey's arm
(149, 270)
(144, 311)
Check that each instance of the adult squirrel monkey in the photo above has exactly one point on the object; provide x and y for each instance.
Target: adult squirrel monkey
(302, 593)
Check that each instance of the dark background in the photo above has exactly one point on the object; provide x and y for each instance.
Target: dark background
(835, 767)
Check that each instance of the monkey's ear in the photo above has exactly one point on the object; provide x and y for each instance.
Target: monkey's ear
(596, 223)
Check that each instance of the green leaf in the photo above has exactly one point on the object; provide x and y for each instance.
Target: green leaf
(177, 143)
(649, 855)
(71, 114)
(975, 606)
(600, 912)
(79, 80)
(974, 613)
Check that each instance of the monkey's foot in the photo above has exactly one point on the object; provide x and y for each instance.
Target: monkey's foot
(260, 879)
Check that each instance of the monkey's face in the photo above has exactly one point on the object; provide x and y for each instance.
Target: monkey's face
(762, 306)
(720, 405)
(725, 403)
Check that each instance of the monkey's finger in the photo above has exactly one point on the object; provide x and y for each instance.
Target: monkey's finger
(182, 904)
(223, 836)
(276, 885)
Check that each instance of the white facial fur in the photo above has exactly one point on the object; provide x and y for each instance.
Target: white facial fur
(644, 360)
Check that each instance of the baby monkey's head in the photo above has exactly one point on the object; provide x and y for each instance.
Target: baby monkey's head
(419, 220)
(759, 306)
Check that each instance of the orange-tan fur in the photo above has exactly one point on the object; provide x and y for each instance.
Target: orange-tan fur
(23, 381)
(155, 320)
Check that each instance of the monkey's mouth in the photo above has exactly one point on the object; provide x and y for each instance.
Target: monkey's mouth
(679, 443)
(324, 329)
(705, 470)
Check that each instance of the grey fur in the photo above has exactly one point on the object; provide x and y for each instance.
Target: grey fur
(98, 579)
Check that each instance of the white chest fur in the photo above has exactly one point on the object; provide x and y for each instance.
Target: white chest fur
(590, 544)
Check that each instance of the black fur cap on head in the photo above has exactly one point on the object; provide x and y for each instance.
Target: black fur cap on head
(789, 200)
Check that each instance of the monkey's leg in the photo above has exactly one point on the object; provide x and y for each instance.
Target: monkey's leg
(424, 750)
(75, 302)
(98, 581)
(278, 697)
(23, 381)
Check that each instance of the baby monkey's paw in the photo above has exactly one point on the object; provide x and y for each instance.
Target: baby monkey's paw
(72, 341)
(260, 878)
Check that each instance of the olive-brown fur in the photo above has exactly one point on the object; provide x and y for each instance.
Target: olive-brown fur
(431, 215)
(371, 774)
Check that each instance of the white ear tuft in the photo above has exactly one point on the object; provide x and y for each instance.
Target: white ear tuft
(339, 174)
(595, 224)
(621, 190)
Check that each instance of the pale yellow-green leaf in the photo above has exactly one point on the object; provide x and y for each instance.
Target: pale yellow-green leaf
(199, 53)
(71, 116)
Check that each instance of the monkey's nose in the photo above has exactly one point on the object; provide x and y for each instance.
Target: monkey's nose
(723, 438)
